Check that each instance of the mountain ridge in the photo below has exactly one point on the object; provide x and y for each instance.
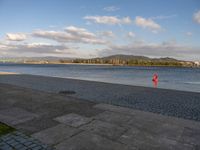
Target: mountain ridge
(118, 59)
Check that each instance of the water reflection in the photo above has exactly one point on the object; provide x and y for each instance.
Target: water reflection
(155, 80)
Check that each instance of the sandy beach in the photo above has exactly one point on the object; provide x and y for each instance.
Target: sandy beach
(7, 73)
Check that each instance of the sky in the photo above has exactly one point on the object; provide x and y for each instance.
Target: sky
(98, 28)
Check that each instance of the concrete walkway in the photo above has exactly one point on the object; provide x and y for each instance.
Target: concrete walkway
(68, 123)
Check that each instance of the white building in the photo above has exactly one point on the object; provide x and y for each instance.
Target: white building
(197, 63)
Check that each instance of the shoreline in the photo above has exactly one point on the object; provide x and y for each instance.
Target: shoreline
(136, 97)
(112, 83)
(102, 65)
(7, 73)
(96, 81)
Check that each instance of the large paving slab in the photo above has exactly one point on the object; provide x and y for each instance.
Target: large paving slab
(147, 141)
(114, 118)
(105, 129)
(36, 125)
(73, 120)
(114, 108)
(14, 116)
(156, 127)
(90, 141)
(148, 117)
(56, 134)
(191, 136)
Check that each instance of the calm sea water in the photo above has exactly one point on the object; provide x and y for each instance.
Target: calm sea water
(187, 79)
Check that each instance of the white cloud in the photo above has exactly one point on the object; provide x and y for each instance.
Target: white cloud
(147, 23)
(74, 31)
(111, 8)
(3, 47)
(109, 34)
(130, 34)
(71, 34)
(35, 45)
(16, 36)
(54, 35)
(165, 49)
(196, 17)
(110, 20)
(189, 33)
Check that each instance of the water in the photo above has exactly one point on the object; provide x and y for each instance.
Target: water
(186, 79)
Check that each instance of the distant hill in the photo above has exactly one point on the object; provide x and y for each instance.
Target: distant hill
(130, 60)
(120, 59)
(133, 60)
(133, 57)
(126, 57)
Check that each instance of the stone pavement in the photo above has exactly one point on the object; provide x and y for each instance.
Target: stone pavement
(68, 123)
(167, 102)
(20, 141)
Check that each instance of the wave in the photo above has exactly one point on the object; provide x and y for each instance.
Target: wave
(195, 82)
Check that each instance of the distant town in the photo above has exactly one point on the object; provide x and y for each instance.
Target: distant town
(123, 60)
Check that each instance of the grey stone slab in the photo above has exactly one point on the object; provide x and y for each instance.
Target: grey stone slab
(105, 129)
(90, 141)
(114, 118)
(148, 116)
(55, 134)
(170, 131)
(14, 116)
(141, 122)
(145, 116)
(73, 120)
(144, 140)
(191, 136)
(156, 127)
(114, 108)
(183, 122)
(36, 125)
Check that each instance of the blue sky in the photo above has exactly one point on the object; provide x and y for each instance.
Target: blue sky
(95, 28)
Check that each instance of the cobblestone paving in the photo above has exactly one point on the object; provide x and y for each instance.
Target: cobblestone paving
(19, 141)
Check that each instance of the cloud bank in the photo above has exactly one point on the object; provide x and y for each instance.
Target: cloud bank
(165, 49)
(35, 49)
(71, 34)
